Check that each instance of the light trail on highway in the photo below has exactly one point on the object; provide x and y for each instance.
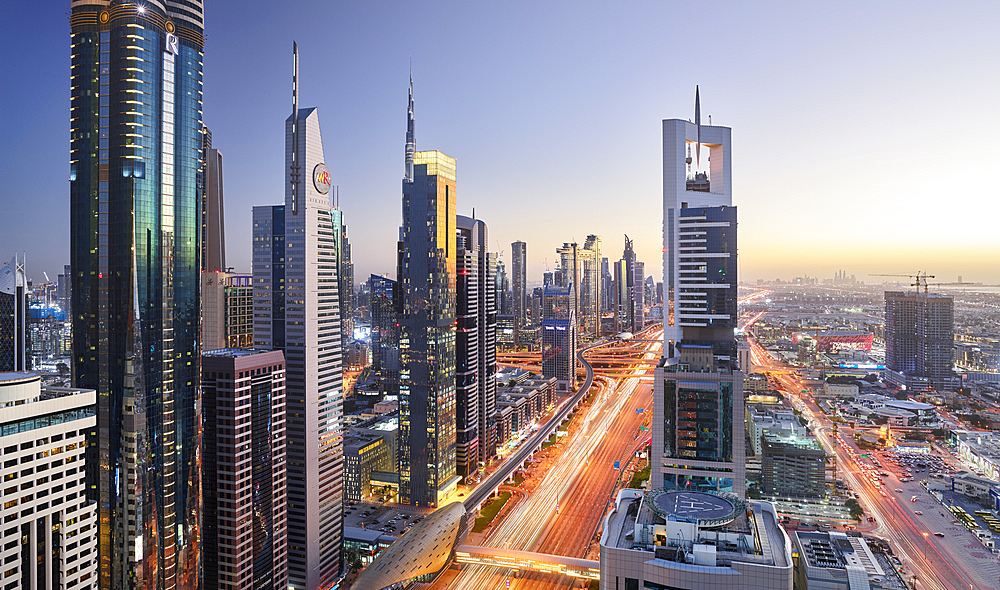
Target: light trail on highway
(534, 523)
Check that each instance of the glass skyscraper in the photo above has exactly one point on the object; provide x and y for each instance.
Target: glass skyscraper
(135, 171)
(427, 439)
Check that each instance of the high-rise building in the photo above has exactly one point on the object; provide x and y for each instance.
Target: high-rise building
(475, 347)
(297, 310)
(386, 307)
(519, 284)
(345, 273)
(136, 165)
(637, 309)
(559, 333)
(698, 406)
(607, 287)
(213, 249)
(590, 287)
(570, 267)
(245, 505)
(14, 317)
(49, 523)
(505, 301)
(427, 471)
(919, 339)
(64, 291)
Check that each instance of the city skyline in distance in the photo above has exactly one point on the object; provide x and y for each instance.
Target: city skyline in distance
(846, 150)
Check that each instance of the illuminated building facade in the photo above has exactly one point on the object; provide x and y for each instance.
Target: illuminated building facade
(519, 283)
(475, 347)
(136, 165)
(385, 311)
(427, 404)
(919, 339)
(297, 311)
(590, 287)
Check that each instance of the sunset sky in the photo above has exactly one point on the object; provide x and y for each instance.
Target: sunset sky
(865, 135)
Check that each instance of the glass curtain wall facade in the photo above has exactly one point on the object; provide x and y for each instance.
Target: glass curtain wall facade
(519, 285)
(427, 405)
(13, 318)
(385, 312)
(590, 287)
(136, 165)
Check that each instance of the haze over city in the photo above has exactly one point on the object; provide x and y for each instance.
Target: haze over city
(864, 132)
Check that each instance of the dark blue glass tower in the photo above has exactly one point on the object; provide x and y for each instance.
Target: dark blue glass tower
(135, 172)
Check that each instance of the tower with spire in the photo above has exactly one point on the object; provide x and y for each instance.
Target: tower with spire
(411, 144)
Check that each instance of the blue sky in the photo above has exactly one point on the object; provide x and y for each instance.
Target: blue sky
(864, 134)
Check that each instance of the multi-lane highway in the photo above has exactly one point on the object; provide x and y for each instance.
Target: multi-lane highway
(930, 559)
(562, 512)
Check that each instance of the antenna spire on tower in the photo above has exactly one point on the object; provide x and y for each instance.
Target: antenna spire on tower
(294, 172)
(411, 144)
(697, 122)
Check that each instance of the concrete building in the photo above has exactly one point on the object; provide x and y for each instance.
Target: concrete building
(135, 243)
(238, 293)
(693, 541)
(297, 311)
(837, 561)
(559, 335)
(427, 411)
(793, 466)
(49, 524)
(780, 421)
(919, 339)
(245, 501)
(982, 450)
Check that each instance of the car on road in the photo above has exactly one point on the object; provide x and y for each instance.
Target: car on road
(938, 534)
(918, 513)
(899, 491)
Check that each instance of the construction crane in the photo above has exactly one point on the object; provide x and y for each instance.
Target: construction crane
(919, 279)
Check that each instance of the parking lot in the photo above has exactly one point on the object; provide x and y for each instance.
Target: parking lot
(392, 520)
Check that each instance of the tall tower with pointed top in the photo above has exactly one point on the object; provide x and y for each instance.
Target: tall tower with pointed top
(411, 142)
(297, 309)
(698, 440)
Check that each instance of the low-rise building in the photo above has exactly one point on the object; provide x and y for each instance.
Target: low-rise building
(364, 452)
(693, 541)
(793, 466)
(981, 450)
(837, 561)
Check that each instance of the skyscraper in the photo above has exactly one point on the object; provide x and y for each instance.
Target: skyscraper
(345, 275)
(637, 308)
(297, 310)
(698, 432)
(590, 287)
(245, 506)
(136, 160)
(919, 339)
(13, 317)
(519, 284)
(607, 286)
(427, 471)
(475, 346)
(559, 334)
(386, 303)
